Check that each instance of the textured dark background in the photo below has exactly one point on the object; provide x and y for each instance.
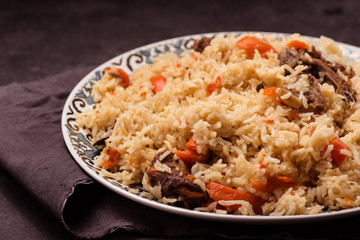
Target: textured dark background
(43, 38)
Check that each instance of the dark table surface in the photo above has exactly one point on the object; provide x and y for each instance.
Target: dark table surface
(50, 37)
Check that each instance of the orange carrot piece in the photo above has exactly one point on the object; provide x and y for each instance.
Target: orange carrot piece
(270, 91)
(312, 130)
(297, 45)
(114, 157)
(191, 157)
(213, 86)
(191, 144)
(269, 121)
(250, 44)
(125, 80)
(337, 157)
(152, 169)
(262, 163)
(158, 82)
(273, 183)
(191, 177)
(132, 161)
(219, 192)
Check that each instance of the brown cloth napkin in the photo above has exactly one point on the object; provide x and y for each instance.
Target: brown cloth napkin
(33, 151)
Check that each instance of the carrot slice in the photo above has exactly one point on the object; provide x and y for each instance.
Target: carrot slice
(119, 74)
(336, 155)
(273, 183)
(158, 82)
(191, 177)
(190, 157)
(262, 163)
(269, 121)
(297, 45)
(270, 91)
(219, 192)
(114, 157)
(152, 170)
(213, 86)
(191, 144)
(251, 43)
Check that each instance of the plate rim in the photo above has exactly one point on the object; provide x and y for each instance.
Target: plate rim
(257, 219)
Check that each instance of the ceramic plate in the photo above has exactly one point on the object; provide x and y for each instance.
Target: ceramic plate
(79, 144)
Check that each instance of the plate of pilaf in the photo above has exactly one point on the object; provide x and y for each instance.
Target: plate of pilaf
(233, 126)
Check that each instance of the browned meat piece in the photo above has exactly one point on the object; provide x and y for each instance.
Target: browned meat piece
(177, 183)
(319, 68)
(337, 66)
(315, 100)
(201, 44)
(289, 57)
(314, 53)
(342, 87)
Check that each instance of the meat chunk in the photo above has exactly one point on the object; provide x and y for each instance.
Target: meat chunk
(341, 86)
(289, 57)
(320, 70)
(348, 71)
(201, 44)
(177, 183)
(320, 67)
(315, 101)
